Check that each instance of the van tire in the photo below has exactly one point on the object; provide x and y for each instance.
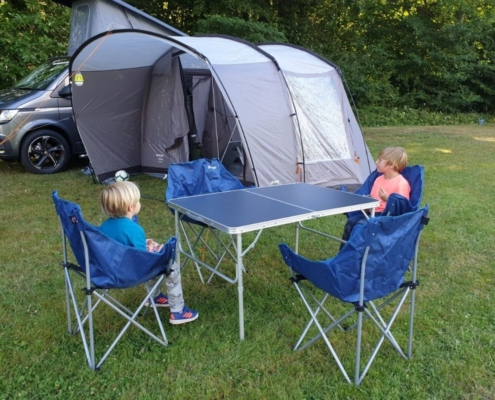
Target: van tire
(45, 152)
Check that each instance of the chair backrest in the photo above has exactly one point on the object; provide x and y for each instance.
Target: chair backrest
(386, 243)
(199, 177)
(111, 264)
(397, 204)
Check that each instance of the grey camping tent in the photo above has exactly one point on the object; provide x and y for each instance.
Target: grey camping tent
(283, 110)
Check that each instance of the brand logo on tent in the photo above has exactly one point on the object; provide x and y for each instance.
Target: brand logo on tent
(210, 167)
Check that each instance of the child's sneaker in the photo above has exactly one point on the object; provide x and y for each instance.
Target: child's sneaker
(187, 315)
(160, 301)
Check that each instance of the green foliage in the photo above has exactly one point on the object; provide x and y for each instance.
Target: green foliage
(244, 18)
(432, 55)
(181, 14)
(453, 326)
(254, 32)
(30, 32)
(402, 116)
(369, 84)
(435, 55)
(435, 70)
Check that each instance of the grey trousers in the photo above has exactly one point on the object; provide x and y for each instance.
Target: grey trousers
(173, 289)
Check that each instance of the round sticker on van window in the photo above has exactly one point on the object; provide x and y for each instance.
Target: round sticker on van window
(78, 79)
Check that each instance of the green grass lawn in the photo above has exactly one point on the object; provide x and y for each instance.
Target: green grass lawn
(454, 342)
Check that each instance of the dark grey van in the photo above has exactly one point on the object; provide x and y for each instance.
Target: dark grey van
(36, 121)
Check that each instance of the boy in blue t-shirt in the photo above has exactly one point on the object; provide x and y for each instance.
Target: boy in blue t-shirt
(120, 201)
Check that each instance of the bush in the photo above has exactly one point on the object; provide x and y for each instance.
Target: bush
(396, 116)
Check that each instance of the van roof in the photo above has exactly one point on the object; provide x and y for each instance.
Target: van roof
(68, 3)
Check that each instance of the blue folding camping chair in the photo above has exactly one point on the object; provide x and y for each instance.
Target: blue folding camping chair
(104, 265)
(377, 265)
(202, 177)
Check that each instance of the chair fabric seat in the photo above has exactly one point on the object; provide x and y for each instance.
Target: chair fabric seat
(112, 264)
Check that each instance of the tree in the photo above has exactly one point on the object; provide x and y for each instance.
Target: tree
(254, 32)
(31, 31)
(249, 19)
(432, 54)
(436, 48)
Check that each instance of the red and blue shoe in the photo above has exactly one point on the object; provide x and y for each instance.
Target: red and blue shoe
(187, 315)
(160, 301)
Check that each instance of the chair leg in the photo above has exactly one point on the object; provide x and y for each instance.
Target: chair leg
(314, 313)
(411, 324)
(386, 334)
(386, 327)
(91, 332)
(369, 312)
(218, 254)
(378, 308)
(67, 301)
(357, 362)
(322, 332)
(131, 320)
(84, 316)
(191, 248)
(88, 350)
(384, 324)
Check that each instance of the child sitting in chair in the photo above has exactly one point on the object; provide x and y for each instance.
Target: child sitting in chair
(120, 201)
(390, 162)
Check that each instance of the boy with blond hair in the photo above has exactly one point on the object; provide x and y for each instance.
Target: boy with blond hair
(390, 163)
(120, 201)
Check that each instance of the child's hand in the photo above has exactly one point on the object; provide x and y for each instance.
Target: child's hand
(383, 194)
(152, 246)
(159, 247)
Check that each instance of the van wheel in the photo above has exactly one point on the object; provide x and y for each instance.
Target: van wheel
(45, 152)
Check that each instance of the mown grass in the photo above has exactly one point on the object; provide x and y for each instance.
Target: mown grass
(453, 355)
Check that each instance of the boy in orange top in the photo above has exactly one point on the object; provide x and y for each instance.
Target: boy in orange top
(390, 162)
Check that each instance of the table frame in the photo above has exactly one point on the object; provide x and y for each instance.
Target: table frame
(364, 203)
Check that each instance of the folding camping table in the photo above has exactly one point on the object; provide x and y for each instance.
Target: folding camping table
(247, 210)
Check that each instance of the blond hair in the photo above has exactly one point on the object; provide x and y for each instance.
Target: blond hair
(117, 197)
(395, 156)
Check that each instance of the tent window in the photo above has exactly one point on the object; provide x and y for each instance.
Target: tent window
(323, 134)
(80, 26)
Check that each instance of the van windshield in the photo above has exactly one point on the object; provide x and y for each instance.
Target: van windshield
(44, 75)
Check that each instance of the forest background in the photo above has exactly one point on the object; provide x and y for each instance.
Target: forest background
(405, 62)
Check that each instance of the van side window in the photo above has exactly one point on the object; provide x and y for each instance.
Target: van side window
(80, 27)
